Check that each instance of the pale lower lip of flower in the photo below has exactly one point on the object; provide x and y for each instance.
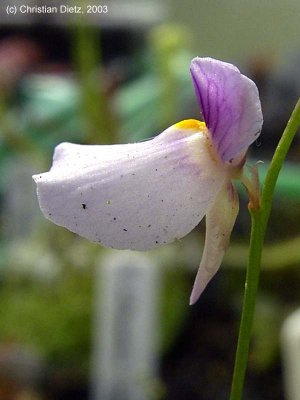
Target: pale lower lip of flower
(135, 196)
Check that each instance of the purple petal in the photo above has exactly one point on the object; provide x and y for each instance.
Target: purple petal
(230, 105)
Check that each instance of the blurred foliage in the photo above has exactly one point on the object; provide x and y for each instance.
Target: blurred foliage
(46, 294)
(266, 331)
(175, 292)
(94, 104)
(54, 319)
(167, 42)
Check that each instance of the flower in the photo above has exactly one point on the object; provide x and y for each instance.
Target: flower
(142, 195)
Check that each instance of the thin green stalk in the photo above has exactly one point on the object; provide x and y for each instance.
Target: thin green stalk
(259, 219)
(278, 160)
(252, 278)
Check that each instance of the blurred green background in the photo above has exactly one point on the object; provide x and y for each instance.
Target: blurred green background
(116, 78)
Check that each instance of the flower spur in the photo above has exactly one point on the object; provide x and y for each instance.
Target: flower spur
(141, 195)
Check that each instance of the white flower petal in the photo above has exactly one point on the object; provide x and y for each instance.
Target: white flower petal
(220, 220)
(134, 196)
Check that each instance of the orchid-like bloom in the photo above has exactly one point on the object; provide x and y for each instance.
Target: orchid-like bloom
(142, 195)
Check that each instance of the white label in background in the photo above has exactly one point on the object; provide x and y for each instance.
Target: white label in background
(125, 327)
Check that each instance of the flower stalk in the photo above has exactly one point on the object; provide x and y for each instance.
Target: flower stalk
(259, 219)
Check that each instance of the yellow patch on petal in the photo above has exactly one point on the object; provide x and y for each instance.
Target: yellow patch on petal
(192, 124)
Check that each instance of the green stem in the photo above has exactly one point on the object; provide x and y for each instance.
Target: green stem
(278, 160)
(259, 219)
(252, 278)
